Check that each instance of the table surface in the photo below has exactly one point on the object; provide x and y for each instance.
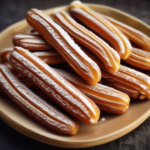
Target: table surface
(12, 11)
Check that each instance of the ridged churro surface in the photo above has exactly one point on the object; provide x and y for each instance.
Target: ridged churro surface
(132, 92)
(130, 77)
(105, 53)
(34, 105)
(134, 35)
(139, 58)
(4, 54)
(101, 27)
(65, 94)
(112, 100)
(32, 42)
(65, 45)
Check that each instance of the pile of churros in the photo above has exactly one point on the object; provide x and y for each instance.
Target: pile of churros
(84, 62)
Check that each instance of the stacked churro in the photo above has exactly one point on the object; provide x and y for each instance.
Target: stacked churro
(102, 27)
(63, 43)
(139, 58)
(107, 98)
(108, 55)
(54, 85)
(134, 35)
(33, 42)
(34, 105)
(88, 53)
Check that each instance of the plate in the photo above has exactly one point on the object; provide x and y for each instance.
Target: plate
(112, 128)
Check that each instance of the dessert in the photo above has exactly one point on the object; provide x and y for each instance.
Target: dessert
(32, 42)
(101, 27)
(105, 53)
(132, 34)
(65, 94)
(35, 106)
(135, 79)
(131, 91)
(54, 82)
(65, 45)
(139, 58)
(127, 80)
(11, 68)
(49, 57)
(4, 54)
(106, 98)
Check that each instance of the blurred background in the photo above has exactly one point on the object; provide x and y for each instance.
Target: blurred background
(12, 11)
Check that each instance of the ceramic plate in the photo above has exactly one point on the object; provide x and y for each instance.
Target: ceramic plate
(112, 128)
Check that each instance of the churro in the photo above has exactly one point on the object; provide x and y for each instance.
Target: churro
(4, 54)
(34, 105)
(49, 57)
(65, 94)
(65, 45)
(130, 77)
(107, 98)
(139, 58)
(132, 92)
(32, 42)
(101, 27)
(108, 55)
(132, 34)
(130, 80)
(133, 78)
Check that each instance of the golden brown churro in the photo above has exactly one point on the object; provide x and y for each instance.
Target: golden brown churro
(133, 78)
(108, 55)
(49, 57)
(130, 77)
(66, 95)
(132, 34)
(139, 59)
(4, 54)
(101, 27)
(107, 98)
(34, 105)
(32, 42)
(121, 79)
(64, 44)
(132, 92)
(11, 68)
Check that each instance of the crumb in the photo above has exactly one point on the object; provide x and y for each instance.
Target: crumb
(103, 119)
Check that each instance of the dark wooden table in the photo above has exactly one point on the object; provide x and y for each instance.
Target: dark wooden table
(12, 11)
